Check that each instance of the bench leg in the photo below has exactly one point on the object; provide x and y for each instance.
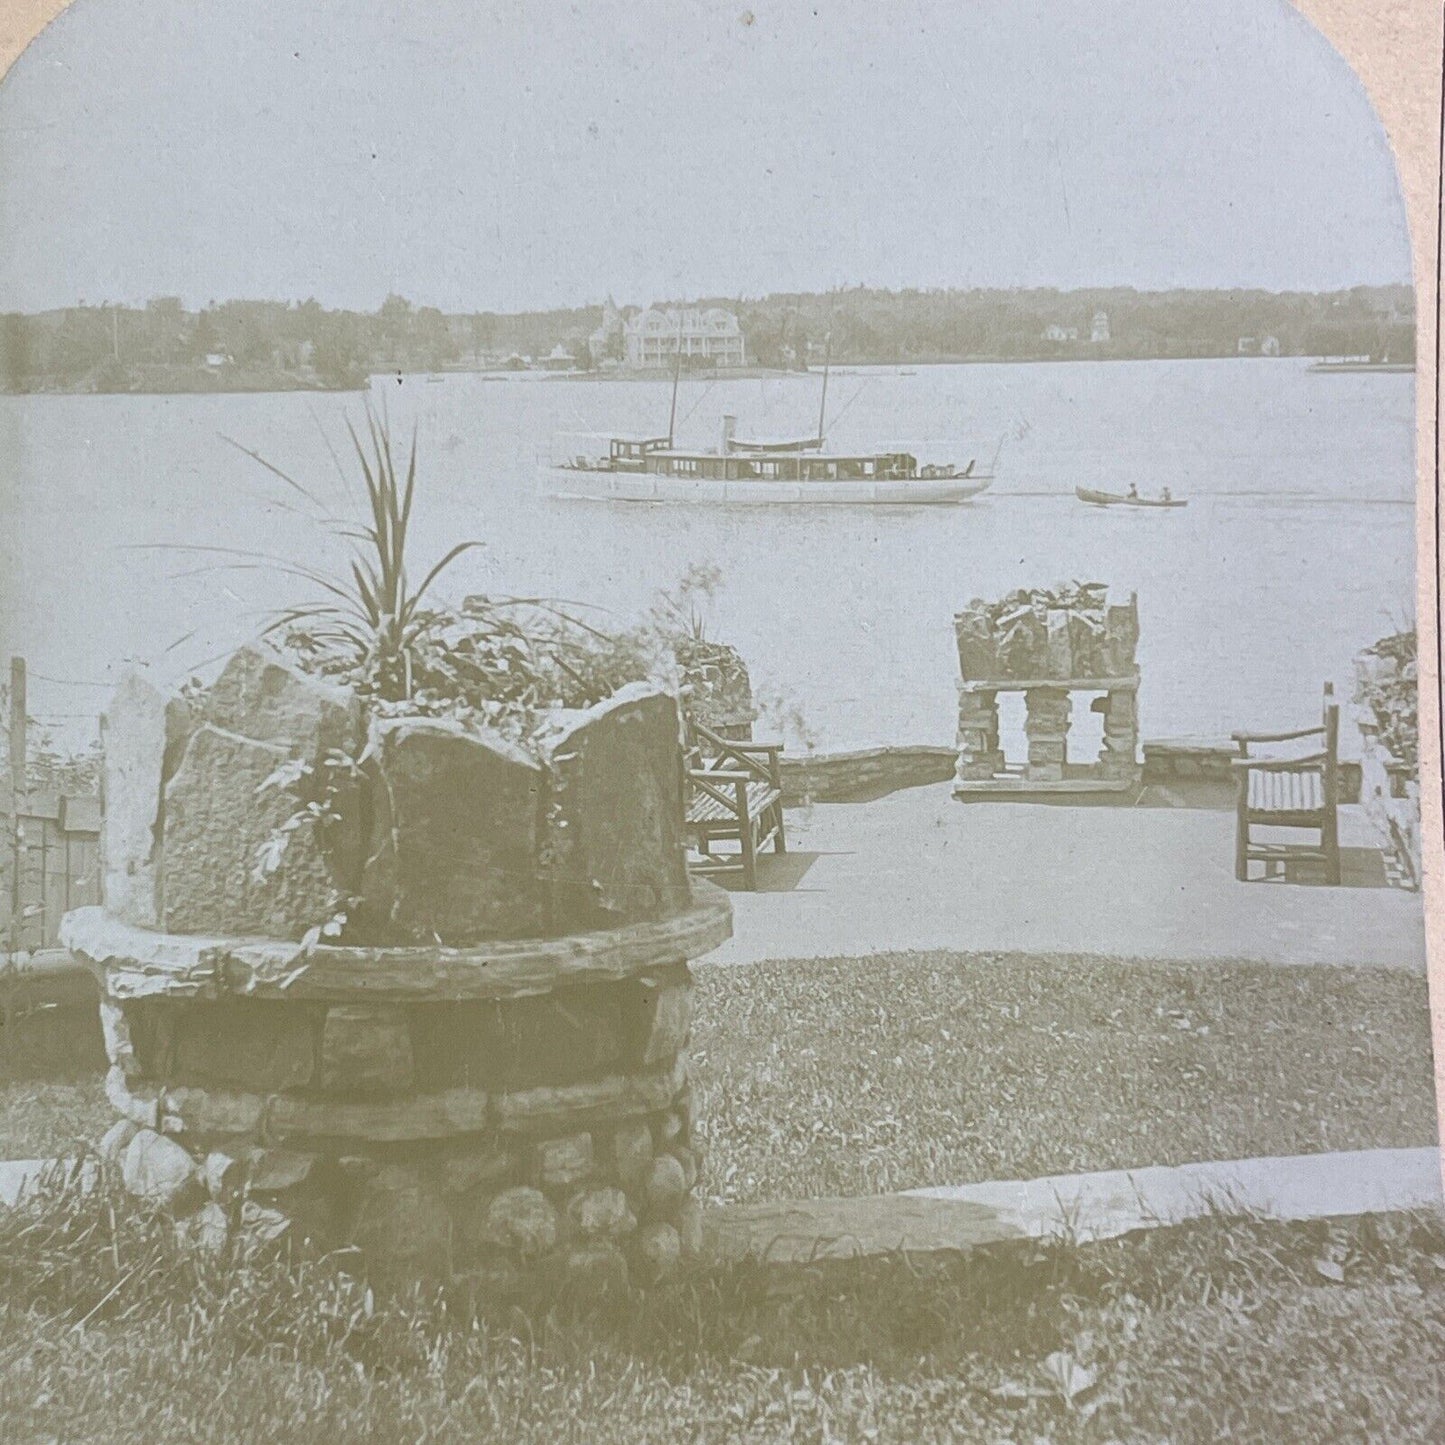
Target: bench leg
(1330, 840)
(749, 845)
(780, 841)
(1241, 846)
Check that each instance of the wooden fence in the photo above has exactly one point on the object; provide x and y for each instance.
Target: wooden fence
(49, 844)
(56, 854)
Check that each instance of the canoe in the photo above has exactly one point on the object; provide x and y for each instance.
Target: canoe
(1113, 499)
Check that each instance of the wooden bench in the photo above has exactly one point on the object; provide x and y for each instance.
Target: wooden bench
(1299, 792)
(735, 794)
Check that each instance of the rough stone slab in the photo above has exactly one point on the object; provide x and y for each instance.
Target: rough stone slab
(564, 1161)
(602, 1213)
(225, 1177)
(217, 819)
(159, 1171)
(1121, 631)
(366, 1050)
(272, 1170)
(423, 1116)
(665, 1186)
(615, 838)
(598, 1101)
(139, 724)
(465, 1173)
(115, 1031)
(254, 1045)
(399, 1219)
(1060, 645)
(664, 1018)
(135, 963)
(977, 650)
(184, 1110)
(453, 853)
(280, 1118)
(632, 1153)
(262, 696)
(522, 1219)
(558, 1038)
(1081, 1206)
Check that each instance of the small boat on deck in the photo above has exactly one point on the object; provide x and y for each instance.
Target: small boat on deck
(1119, 499)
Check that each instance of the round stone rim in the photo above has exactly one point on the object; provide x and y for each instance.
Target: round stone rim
(133, 963)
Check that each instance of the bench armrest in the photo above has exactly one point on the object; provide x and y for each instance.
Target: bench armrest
(1277, 737)
(1279, 765)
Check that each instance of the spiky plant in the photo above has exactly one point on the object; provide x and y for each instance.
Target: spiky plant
(373, 622)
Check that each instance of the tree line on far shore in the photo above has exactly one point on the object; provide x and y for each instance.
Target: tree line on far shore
(264, 344)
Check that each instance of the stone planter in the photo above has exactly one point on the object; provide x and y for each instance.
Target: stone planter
(719, 689)
(507, 1104)
(1022, 644)
(488, 1068)
(1386, 714)
(1390, 795)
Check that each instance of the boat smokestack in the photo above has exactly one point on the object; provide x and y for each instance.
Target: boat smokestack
(729, 430)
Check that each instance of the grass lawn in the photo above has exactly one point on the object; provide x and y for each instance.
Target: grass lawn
(863, 1076)
(1225, 1329)
(51, 1083)
(824, 1077)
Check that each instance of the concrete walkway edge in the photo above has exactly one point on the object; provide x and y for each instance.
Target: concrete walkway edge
(1077, 1207)
(1082, 1207)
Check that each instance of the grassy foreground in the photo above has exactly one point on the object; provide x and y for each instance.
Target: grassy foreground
(821, 1077)
(863, 1076)
(1223, 1329)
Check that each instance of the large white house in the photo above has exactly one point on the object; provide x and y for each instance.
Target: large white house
(653, 337)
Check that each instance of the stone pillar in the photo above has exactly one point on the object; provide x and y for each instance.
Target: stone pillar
(1047, 726)
(1119, 756)
(979, 754)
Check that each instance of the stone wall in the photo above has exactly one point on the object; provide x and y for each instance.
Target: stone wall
(266, 803)
(538, 1116)
(1390, 794)
(840, 777)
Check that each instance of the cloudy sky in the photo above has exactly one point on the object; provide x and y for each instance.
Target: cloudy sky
(476, 154)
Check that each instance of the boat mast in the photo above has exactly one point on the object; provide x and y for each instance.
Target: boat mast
(823, 403)
(676, 373)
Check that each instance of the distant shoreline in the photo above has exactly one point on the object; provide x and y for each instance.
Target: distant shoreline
(179, 380)
(189, 381)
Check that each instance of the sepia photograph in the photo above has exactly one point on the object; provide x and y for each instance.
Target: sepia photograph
(713, 728)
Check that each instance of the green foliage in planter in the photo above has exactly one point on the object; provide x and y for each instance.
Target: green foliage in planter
(714, 676)
(500, 661)
(1009, 638)
(1390, 689)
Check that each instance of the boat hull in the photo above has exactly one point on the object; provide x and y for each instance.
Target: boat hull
(1111, 499)
(654, 487)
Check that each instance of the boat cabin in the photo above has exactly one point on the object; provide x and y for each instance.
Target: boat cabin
(780, 467)
(629, 454)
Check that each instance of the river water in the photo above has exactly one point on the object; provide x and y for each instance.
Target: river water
(1296, 550)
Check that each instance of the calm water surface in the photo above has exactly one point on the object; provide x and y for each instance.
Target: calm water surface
(1297, 548)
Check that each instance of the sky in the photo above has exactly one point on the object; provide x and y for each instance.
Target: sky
(481, 155)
